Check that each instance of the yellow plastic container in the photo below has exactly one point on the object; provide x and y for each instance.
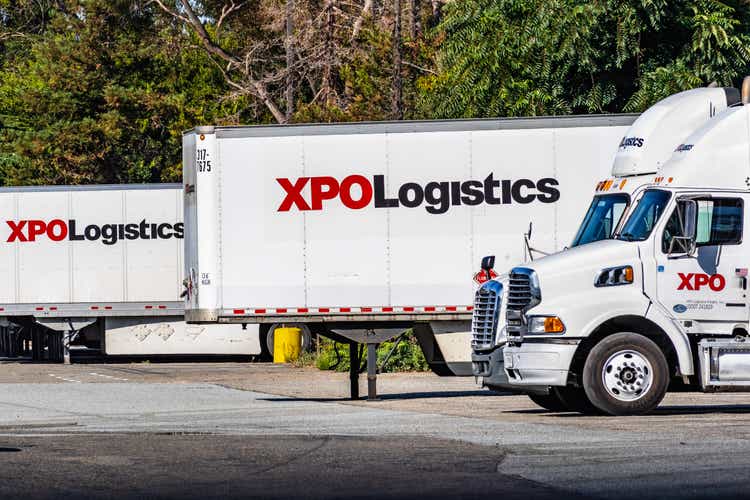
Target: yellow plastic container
(287, 344)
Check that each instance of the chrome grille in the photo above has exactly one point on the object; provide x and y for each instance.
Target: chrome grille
(486, 313)
(519, 291)
(523, 294)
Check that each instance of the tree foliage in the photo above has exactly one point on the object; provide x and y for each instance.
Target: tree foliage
(537, 57)
(99, 91)
(102, 95)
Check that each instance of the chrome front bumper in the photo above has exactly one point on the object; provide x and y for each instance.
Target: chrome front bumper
(489, 367)
(538, 363)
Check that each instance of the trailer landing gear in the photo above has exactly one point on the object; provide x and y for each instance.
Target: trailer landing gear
(372, 371)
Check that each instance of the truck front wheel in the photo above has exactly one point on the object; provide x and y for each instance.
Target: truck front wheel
(574, 399)
(626, 374)
(548, 401)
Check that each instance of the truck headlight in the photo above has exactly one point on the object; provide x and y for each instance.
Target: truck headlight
(614, 276)
(545, 324)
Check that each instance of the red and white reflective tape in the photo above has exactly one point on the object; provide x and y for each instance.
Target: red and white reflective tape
(93, 307)
(272, 311)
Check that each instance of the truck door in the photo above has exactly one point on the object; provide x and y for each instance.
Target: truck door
(706, 285)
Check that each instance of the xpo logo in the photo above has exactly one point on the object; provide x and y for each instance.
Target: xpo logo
(357, 192)
(58, 230)
(694, 281)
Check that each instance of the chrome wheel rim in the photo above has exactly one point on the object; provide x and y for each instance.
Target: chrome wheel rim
(627, 375)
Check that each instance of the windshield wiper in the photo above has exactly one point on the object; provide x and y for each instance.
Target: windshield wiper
(627, 236)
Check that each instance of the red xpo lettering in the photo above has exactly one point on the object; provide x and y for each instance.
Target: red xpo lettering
(293, 194)
(326, 188)
(56, 230)
(694, 281)
(323, 188)
(16, 229)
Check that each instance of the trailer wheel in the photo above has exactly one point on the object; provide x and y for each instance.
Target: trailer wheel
(266, 340)
(626, 374)
(549, 401)
(574, 399)
(440, 369)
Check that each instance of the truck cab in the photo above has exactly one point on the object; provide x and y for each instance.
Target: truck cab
(612, 325)
(645, 148)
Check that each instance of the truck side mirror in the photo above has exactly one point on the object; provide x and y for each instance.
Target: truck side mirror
(690, 211)
(683, 245)
(488, 262)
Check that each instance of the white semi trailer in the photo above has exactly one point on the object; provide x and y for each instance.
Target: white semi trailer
(101, 266)
(663, 304)
(643, 150)
(359, 231)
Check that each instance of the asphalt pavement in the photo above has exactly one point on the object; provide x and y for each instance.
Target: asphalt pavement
(224, 430)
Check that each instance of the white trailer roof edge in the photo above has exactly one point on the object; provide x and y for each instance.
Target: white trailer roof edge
(395, 127)
(89, 187)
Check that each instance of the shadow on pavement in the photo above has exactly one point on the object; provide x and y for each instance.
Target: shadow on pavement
(387, 397)
(663, 411)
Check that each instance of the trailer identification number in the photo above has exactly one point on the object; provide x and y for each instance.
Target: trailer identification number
(202, 161)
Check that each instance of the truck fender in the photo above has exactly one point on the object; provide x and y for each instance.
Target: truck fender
(678, 338)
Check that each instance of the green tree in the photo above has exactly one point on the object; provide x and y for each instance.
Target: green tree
(102, 96)
(540, 57)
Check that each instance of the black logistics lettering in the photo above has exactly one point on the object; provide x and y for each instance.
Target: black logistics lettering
(380, 200)
(506, 192)
(161, 231)
(72, 231)
(489, 190)
(109, 234)
(548, 193)
(418, 195)
(143, 230)
(473, 193)
(131, 231)
(92, 232)
(440, 203)
(518, 195)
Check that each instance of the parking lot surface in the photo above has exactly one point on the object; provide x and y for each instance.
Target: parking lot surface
(233, 430)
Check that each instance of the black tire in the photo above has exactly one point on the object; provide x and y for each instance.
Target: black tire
(648, 381)
(265, 354)
(575, 399)
(441, 369)
(548, 401)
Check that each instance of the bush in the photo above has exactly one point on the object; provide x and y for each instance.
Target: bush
(406, 357)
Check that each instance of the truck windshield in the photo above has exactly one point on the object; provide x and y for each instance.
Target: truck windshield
(644, 216)
(602, 218)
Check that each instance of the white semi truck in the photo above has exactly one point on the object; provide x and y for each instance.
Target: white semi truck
(359, 231)
(614, 324)
(100, 267)
(644, 148)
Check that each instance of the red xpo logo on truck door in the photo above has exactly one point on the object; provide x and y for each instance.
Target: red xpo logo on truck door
(58, 230)
(357, 192)
(695, 281)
